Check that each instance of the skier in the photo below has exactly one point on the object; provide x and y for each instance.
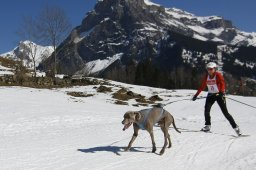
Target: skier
(216, 92)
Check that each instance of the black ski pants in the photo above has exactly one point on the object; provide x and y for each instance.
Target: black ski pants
(211, 98)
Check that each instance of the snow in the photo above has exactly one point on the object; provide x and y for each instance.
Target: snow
(196, 23)
(208, 18)
(6, 71)
(150, 3)
(83, 35)
(175, 23)
(204, 31)
(149, 27)
(41, 52)
(2, 73)
(61, 76)
(199, 37)
(241, 37)
(96, 66)
(114, 44)
(3, 68)
(178, 13)
(246, 64)
(48, 129)
(40, 74)
(217, 39)
(105, 19)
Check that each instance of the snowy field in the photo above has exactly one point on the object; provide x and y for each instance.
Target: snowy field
(50, 130)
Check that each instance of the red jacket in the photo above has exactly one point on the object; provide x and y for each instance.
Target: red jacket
(219, 80)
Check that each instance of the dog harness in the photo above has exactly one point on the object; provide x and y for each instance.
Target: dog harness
(146, 114)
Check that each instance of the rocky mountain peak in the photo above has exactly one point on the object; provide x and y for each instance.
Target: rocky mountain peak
(218, 23)
(23, 53)
(117, 33)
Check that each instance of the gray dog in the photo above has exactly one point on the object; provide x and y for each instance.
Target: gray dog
(145, 120)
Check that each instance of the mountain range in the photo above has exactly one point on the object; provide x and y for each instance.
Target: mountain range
(117, 33)
(137, 41)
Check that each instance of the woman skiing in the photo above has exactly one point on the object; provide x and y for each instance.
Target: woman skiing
(216, 92)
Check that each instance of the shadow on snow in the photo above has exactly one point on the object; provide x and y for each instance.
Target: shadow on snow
(114, 149)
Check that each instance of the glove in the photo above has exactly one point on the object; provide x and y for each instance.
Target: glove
(221, 94)
(194, 97)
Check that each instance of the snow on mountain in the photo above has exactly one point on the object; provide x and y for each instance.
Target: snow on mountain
(95, 66)
(202, 31)
(138, 29)
(48, 129)
(179, 14)
(22, 52)
(149, 2)
(242, 37)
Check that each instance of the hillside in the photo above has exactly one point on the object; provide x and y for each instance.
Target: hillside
(139, 42)
(49, 129)
(139, 30)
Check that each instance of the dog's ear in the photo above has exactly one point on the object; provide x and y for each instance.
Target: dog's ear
(137, 116)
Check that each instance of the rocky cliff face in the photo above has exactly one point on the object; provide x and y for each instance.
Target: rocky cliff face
(138, 31)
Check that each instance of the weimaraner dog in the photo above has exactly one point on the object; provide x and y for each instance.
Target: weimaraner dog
(145, 120)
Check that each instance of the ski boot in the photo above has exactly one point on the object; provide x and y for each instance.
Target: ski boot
(207, 128)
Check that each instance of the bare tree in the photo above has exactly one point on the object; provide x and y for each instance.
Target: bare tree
(53, 26)
(28, 31)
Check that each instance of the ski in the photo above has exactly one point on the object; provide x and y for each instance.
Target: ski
(205, 131)
(241, 136)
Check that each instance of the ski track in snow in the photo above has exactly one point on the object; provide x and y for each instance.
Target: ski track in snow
(47, 129)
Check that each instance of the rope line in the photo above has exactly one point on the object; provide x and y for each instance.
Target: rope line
(162, 105)
(241, 102)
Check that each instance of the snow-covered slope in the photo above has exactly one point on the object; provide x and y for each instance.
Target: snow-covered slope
(94, 67)
(47, 129)
(208, 28)
(6, 71)
(212, 28)
(21, 52)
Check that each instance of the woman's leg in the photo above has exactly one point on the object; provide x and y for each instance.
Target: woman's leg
(207, 108)
(222, 103)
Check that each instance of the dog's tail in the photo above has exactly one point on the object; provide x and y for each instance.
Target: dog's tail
(175, 126)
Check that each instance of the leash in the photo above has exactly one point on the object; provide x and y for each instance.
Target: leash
(240, 102)
(163, 105)
(175, 101)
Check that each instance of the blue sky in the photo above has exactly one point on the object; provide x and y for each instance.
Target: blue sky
(241, 12)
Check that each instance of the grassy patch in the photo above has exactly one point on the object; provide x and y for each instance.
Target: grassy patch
(125, 95)
(104, 89)
(121, 102)
(79, 94)
(155, 98)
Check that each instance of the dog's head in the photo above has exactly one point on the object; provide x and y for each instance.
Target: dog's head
(129, 118)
